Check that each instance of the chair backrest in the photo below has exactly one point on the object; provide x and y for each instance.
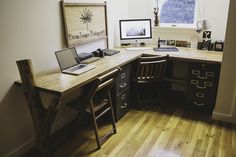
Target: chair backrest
(151, 68)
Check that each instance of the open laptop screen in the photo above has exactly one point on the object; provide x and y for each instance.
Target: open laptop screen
(67, 58)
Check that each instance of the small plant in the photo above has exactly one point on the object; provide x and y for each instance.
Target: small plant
(86, 17)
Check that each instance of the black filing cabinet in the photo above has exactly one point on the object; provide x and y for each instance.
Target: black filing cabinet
(121, 93)
(202, 86)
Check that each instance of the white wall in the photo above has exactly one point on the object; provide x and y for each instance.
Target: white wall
(34, 30)
(117, 9)
(226, 100)
(29, 29)
(217, 13)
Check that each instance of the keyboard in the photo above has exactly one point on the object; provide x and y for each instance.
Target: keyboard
(138, 48)
(77, 67)
(166, 49)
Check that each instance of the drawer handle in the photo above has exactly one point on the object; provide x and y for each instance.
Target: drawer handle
(208, 84)
(123, 85)
(123, 96)
(195, 82)
(202, 77)
(200, 95)
(211, 74)
(195, 72)
(124, 106)
(199, 104)
(122, 75)
(199, 87)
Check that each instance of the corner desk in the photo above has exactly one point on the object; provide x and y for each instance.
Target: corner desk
(60, 85)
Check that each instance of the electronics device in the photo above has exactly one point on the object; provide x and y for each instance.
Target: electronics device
(138, 48)
(135, 31)
(109, 52)
(69, 62)
(85, 55)
(166, 49)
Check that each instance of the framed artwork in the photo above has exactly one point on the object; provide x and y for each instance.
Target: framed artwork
(180, 43)
(84, 22)
(170, 42)
(219, 46)
(206, 36)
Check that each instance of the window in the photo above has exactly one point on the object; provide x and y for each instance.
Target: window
(176, 12)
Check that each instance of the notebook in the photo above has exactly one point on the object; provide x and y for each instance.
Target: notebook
(69, 62)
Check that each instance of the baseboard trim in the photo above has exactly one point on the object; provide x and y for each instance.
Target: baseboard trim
(19, 151)
(223, 117)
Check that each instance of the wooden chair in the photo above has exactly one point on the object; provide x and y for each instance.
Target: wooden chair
(150, 71)
(100, 104)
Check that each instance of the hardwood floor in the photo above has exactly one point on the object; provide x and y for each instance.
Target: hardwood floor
(164, 131)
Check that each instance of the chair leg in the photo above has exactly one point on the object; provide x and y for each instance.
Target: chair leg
(112, 113)
(95, 127)
(159, 95)
(137, 97)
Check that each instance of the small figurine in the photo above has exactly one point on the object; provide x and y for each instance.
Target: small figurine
(156, 22)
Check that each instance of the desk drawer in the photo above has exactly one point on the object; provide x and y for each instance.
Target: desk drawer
(123, 81)
(121, 106)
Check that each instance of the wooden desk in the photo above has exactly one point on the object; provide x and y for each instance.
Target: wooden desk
(55, 82)
(59, 85)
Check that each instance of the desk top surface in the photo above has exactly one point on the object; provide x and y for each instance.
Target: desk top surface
(55, 82)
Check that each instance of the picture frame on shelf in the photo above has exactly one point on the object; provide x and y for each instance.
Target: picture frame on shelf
(170, 43)
(219, 46)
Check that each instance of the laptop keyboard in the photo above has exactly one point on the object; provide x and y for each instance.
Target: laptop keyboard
(77, 67)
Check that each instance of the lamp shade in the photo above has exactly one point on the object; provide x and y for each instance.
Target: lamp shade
(203, 25)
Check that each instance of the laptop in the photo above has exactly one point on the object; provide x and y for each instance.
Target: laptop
(69, 62)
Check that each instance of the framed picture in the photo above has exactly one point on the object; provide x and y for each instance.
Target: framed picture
(84, 22)
(170, 42)
(162, 42)
(180, 43)
(206, 36)
(219, 46)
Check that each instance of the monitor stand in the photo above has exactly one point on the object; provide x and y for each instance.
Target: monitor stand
(138, 44)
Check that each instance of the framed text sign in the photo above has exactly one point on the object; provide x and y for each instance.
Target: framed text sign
(84, 22)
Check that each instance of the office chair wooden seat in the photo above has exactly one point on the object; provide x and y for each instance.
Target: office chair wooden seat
(150, 71)
(100, 104)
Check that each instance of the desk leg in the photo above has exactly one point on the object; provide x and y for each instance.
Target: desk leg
(42, 117)
(43, 123)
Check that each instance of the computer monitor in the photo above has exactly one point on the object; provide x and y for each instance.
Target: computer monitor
(135, 31)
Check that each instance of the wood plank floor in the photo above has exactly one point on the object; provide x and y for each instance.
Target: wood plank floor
(164, 131)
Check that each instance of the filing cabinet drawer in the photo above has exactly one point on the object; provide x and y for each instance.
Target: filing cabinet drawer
(204, 71)
(122, 104)
(202, 105)
(202, 86)
(122, 81)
